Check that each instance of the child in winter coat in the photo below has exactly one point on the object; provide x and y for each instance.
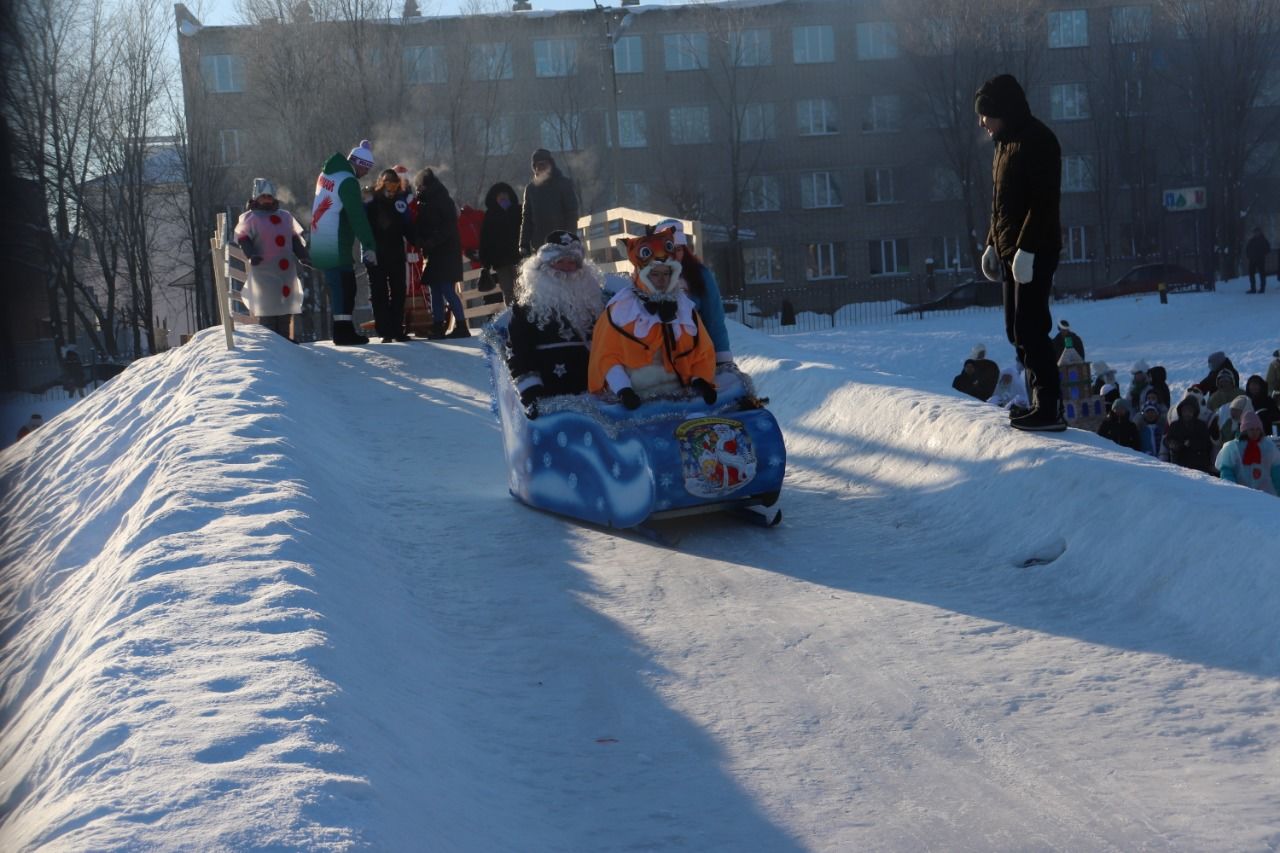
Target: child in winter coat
(1159, 379)
(1227, 390)
(1151, 430)
(1151, 397)
(1138, 385)
(1187, 442)
(1226, 425)
(500, 237)
(1119, 427)
(1252, 459)
(1218, 362)
(1255, 388)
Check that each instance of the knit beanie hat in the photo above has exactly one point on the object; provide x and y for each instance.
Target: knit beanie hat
(1250, 421)
(1241, 404)
(541, 155)
(362, 154)
(1119, 404)
(1001, 97)
(1217, 359)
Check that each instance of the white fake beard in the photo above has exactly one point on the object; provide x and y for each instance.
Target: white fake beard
(673, 287)
(574, 298)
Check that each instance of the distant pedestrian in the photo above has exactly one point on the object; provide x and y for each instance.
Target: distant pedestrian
(337, 220)
(550, 203)
(1255, 252)
(500, 237)
(1024, 239)
(33, 424)
(1218, 361)
(1067, 337)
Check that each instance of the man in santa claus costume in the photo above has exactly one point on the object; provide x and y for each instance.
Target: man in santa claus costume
(557, 301)
(650, 341)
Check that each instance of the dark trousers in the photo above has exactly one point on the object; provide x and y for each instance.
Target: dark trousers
(386, 295)
(1258, 268)
(1027, 323)
(281, 324)
(342, 291)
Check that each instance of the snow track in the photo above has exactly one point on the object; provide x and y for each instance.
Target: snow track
(410, 659)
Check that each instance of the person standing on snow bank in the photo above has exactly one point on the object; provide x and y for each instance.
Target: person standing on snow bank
(1024, 239)
(30, 426)
(1256, 251)
(337, 220)
(550, 203)
(435, 232)
(500, 237)
(272, 240)
(1252, 459)
(549, 337)
(388, 213)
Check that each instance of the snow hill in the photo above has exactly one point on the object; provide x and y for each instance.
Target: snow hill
(279, 599)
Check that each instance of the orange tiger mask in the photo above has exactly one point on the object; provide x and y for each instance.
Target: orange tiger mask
(648, 251)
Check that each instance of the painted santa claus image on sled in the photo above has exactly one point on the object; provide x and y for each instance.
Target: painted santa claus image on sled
(664, 434)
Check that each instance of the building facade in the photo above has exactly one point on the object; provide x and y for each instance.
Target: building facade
(835, 139)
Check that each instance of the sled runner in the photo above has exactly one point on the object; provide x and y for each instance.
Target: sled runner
(594, 460)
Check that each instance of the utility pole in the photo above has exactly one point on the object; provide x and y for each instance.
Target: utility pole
(611, 40)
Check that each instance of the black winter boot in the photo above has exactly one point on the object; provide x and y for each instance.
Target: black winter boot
(437, 332)
(344, 334)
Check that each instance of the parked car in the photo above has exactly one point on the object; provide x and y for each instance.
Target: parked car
(1146, 278)
(976, 292)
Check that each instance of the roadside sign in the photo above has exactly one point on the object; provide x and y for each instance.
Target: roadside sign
(1188, 198)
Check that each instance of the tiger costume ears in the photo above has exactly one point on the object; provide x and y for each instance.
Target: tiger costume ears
(642, 251)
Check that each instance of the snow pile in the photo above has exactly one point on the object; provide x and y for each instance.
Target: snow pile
(279, 598)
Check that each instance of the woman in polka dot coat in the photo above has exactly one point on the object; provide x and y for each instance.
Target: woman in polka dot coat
(272, 240)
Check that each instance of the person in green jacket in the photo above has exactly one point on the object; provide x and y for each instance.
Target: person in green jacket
(337, 220)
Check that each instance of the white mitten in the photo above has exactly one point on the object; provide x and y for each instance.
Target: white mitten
(1023, 266)
(991, 267)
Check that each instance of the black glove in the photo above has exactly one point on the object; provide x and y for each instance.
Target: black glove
(704, 388)
(255, 260)
(629, 398)
(529, 399)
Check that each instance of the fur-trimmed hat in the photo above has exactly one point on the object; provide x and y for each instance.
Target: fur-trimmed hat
(362, 154)
(559, 245)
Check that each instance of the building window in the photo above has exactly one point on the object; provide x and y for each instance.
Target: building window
(636, 194)
(1069, 29)
(1074, 245)
(751, 48)
(823, 260)
(628, 55)
(491, 61)
(1130, 24)
(889, 257)
(762, 193)
(879, 185)
(632, 129)
(813, 44)
(494, 137)
(758, 122)
(1077, 174)
(424, 65)
(949, 254)
(555, 57)
(884, 115)
(228, 147)
(761, 265)
(222, 73)
(945, 185)
(689, 125)
(819, 189)
(816, 117)
(684, 51)
(1068, 101)
(877, 40)
(559, 131)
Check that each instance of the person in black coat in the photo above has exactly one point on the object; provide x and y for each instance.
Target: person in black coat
(388, 214)
(500, 237)
(1255, 388)
(435, 232)
(1218, 362)
(550, 203)
(1188, 442)
(1255, 251)
(1119, 427)
(549, 334)
(1067, 337)
(967, 381)
(1024, 238)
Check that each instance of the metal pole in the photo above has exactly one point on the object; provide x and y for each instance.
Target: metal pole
(610, 39)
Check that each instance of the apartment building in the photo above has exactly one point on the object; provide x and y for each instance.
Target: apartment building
(836, 138)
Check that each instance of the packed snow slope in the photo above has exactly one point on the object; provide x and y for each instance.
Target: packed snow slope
(278, 598)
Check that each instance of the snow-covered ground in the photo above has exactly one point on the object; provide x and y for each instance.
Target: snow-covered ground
(279, 598)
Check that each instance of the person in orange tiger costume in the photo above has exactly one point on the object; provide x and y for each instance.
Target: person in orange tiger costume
(650, 339)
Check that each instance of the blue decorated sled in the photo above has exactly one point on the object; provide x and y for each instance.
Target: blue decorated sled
(590, 458)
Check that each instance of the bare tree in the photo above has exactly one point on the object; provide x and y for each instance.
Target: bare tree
(1228, 52)
(954, 46)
